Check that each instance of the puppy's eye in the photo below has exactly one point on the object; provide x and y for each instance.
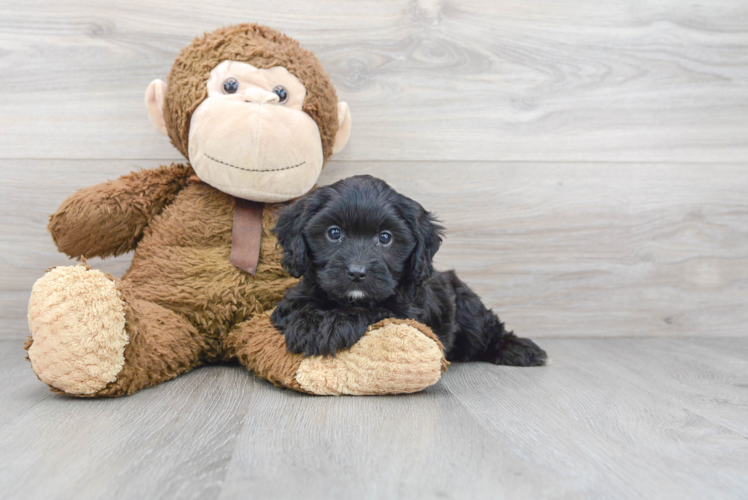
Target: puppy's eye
(282, 94)
(385, 237)
(230, 86)
(334, 233)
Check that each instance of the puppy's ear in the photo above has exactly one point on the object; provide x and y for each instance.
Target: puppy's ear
(428, 235)
(290, 230)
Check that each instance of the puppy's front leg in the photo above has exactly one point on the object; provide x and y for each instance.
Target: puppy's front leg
(312, 331)
(341, 328)
(300, 324)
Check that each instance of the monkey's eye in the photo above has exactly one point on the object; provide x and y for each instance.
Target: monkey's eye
(334, 233)
(385, 238)
(230, 86)
(282, 94)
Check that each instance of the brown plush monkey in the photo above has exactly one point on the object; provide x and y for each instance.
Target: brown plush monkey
(257, 117)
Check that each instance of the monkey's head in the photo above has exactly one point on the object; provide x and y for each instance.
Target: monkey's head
(255, 114)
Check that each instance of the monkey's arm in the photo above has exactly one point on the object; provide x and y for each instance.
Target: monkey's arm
(394, 357)
(109, 219)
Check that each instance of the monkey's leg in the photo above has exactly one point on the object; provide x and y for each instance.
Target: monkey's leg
(394, 357)
(92, 337)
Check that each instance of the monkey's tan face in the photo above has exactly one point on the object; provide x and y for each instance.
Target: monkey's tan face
(251, 139)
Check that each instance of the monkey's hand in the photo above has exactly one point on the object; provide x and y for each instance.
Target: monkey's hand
(109, 219)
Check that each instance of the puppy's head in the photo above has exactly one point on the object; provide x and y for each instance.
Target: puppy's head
(358, 239)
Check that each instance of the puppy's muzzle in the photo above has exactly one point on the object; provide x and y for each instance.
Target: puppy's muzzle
(356, 273)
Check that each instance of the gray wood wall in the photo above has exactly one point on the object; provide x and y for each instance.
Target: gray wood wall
(590, 158)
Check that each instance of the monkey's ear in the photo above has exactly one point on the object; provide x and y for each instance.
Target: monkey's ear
(344, 127)
(290, 230)
(154, 103)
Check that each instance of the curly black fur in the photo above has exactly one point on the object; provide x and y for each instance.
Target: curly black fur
(333, 305)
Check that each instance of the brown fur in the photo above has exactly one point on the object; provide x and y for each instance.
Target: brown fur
(163, 344)
(109, 219)
(182, 263)
(258, 346)
(261, 47)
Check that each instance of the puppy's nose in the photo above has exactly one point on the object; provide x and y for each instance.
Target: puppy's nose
(356, 273)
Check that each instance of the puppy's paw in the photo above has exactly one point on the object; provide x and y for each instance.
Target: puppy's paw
(303, 339)
(319, 333)
(340, 330)
(516, 351)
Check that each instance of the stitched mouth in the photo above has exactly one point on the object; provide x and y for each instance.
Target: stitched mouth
(253, 169)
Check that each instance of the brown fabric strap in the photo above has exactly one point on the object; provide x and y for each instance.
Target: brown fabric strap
(246, 235)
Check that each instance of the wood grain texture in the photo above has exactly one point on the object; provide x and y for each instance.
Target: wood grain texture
(694, 373)
(608, 419)
(627, 441)
(603, 80)
(394, 447)
(556, 249)
(174, 441)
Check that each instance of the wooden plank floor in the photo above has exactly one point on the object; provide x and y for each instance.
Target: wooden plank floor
(610, 418)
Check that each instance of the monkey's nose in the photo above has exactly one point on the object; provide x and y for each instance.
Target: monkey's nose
(356, 273)
(260, 96)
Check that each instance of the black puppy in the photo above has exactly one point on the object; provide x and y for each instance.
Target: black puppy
(365, 253)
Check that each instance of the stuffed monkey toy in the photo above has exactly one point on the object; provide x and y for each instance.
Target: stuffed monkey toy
(256, 116)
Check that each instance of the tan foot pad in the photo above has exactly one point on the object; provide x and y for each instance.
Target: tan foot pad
(77, 323)
(394, 357)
